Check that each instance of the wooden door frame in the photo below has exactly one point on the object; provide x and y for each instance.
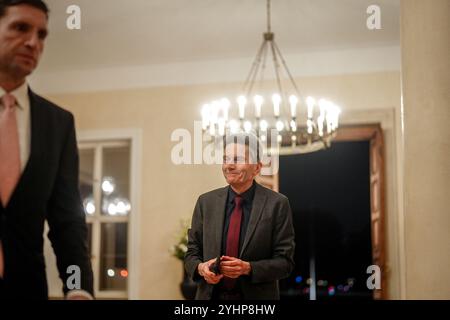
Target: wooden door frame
(374, 134)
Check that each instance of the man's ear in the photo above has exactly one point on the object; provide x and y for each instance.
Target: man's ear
(258, 168)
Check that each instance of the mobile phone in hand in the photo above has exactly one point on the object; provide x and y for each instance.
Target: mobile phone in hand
(215, 267)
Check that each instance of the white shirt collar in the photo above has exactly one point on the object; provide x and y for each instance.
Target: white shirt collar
(21, 94)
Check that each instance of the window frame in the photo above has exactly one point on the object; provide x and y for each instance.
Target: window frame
(97, 140)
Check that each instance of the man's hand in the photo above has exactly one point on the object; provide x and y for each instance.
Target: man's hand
(233, 267)
(74, 297)
(210, 277)
(79, 295)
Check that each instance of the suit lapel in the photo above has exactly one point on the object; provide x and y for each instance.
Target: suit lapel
(38, 127)
(259, 201)
(218, 216)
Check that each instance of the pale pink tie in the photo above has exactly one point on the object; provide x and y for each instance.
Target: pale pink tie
(9, 155)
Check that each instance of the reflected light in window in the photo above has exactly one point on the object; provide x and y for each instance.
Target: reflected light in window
(111, 273)
(118, 206)
(108, 185)
(112, 210)
(124, 273)
(331, 291)
(89, 206)
(123, 206)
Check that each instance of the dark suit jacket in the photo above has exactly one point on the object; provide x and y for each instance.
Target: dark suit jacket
(268, 244)
(47, 190)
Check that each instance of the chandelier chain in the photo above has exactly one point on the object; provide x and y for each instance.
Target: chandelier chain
(269, 27)
(276, 66)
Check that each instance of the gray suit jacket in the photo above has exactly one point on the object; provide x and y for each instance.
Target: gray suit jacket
(268, 244)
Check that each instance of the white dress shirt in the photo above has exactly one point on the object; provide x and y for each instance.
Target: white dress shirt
(23, 121)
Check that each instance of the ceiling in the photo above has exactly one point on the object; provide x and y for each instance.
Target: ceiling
(119, 33)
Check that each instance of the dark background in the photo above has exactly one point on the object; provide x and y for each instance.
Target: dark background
(329, 193)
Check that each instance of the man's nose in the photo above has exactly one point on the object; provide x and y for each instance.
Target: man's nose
(227, 165)
(33, 40)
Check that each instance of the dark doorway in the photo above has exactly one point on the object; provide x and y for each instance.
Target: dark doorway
(329, 192)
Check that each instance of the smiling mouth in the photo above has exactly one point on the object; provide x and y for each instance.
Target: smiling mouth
(27, 57)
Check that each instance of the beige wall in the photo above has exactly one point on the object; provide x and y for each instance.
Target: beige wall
(169, 192)
(426, 95)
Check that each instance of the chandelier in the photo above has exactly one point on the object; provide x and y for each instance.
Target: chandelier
(306, 125)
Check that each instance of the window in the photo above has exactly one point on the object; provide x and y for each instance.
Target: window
(105, 192)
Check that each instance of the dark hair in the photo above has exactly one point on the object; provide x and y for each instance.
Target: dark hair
(249, 140)
(38, 4)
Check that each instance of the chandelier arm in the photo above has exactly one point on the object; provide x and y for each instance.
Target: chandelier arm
(282, 93)
(276, 66)
(325, 141)
(287, 70)
(254, 68)
(263, 67)
(268, 17)
(299, 149)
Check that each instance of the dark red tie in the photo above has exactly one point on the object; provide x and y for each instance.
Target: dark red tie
(234, 231)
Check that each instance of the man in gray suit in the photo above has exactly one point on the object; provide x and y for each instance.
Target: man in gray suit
(245, 227)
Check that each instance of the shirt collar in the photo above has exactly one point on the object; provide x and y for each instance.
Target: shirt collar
(21, 94)
(247, 196)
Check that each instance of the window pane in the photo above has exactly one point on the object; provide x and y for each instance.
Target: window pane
(113, 259)
(115, 181)
(87, 180)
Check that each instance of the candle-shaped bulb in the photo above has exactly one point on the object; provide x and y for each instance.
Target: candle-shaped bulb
(242, 101)
(247, 126)
(263, 125)
(258, 100)
(293, 100)
(205, 116)
(276, 99)
(280, 125)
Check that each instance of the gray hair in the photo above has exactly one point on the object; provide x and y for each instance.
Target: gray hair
(246, 139)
